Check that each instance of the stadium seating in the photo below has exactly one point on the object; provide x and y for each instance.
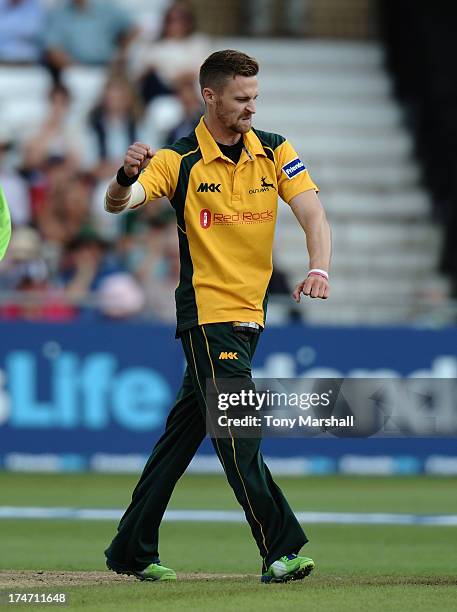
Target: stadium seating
(333, 99)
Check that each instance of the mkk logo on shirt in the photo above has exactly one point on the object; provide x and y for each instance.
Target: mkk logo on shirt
(228, 355)
(211, 187)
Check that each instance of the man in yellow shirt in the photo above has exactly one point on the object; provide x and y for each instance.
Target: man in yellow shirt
(223, 181)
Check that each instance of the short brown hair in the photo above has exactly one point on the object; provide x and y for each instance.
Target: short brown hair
(226, 64)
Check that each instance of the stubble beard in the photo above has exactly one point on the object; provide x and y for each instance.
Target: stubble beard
(237, 128)
(242, 128)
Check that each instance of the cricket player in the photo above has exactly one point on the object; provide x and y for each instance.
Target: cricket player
(223, 180)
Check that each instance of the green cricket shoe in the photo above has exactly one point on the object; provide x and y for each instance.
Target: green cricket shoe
(154, 572)
(289, 567)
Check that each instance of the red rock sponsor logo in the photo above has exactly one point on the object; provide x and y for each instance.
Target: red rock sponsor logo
(205, 218)
(242, 217)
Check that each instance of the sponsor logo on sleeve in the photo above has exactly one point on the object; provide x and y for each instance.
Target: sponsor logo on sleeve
(293, 168)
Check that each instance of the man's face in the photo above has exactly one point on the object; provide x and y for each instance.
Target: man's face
(235, 104)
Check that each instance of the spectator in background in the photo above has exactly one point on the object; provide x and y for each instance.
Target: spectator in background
(154, 261)
(115, 121)
(14, 186)
(113, 124)
(26, 273)
(177, 54)
(86, 262)
(57, 137)
(24, 249)
(66, 209)
(50, 159)
(21, 31)
(89, 32)
(120, 297)
(192, 108)
(269, 17)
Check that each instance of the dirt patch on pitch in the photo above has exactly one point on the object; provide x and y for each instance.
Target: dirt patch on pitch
(22, 579)
(27, 578)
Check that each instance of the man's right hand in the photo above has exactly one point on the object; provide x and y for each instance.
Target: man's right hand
(137, 158)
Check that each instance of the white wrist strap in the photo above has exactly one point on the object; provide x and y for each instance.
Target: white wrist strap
(318, 271)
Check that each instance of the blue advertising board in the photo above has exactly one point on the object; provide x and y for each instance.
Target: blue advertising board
(96, 396)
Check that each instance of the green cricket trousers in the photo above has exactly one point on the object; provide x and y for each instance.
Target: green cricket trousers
(273, 524)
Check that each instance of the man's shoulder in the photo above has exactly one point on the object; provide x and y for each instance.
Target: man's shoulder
(269, 139)
(184, 146)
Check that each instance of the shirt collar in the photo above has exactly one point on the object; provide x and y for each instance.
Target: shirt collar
(210, 150)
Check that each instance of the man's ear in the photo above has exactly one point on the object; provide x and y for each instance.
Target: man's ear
(209, 95)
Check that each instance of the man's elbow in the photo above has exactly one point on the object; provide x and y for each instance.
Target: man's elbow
(307, 202)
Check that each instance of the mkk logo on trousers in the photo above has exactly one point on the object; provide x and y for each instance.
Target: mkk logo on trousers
(226, 355)
(209, 187)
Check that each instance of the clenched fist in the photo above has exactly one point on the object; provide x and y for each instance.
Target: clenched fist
(137, 158)
(314, 286)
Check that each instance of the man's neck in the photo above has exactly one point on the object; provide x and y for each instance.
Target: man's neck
(219, 134)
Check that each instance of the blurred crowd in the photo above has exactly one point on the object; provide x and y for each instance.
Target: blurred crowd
(69, 258)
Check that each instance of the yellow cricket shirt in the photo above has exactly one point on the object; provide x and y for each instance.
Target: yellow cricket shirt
(226, 215)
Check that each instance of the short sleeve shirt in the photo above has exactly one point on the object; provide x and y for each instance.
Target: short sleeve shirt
(226, 215)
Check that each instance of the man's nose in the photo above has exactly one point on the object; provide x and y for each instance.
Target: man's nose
(251, 107)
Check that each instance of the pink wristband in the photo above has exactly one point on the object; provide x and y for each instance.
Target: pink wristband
(318, 272)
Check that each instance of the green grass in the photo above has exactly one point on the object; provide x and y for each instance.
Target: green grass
(420, 495)
(322, 595)
(401, 568)
(338, 549)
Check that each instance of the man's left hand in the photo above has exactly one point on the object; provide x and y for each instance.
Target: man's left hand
(312, 286)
